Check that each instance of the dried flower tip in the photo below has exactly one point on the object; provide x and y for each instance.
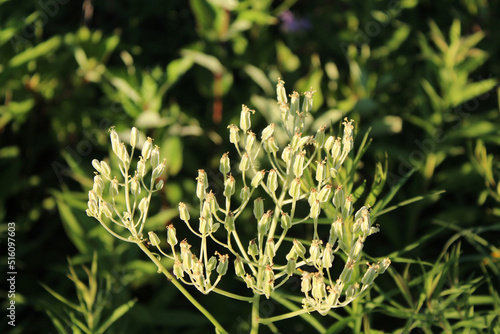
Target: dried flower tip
(147, 148)
(257, 179)
(245, 122)
(224, 165)
(154, 239)
(134, 133)
(183, 212)
(234, 135)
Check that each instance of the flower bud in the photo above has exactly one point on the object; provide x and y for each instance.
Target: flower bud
(286, 221)
(285, 111)
(294, 103)
(200, 190)
(135, 186)
(327, 256)
(299, 248)
(315, 210)
(268, 288)
(270, 249)
(113, 188)
(356, 250)
(171, 235)
(290, 266)
(178, 270)
(298, 165)
(295, 141)
(250, 281)
(270, 145)
(321, 171)
(351, 292)
(97, 165)
(250, 141)
(239, 269)
(229, 222)
(305, 285)
(115, 140)
(263, 225)
(204, 226)
(107, 209)
(224, 166)
(286, 155)
(324, 194)
(253, 249)
(245, 123)
(98, 186)
(258, 208)
(333, 296)
(245, 162)
(318, 288)
(147, 148)
(214, 206)
(329, 143)
(234, 134)
(259, 176)
(154, 239)
(338, 227)
(143, 205)
(384, 265)
(141, 167)
(320, 137)
(281, 92)
(134, 133)
(183, 212)
(198, 270)
(155, 157)
(223, 264)
(92, 207)
(315, 251)
(123, 154)
(202, 176)
(105, 170)
(304, 141)
(205, 209)
(245, 194)
(345, 275)
(308, 101)
(229, 186)
(294, 191)
(267, 132)
(370, 274)
(313, 196)
(338, 197)
(336, 149)
(211, 264)
(186, 255)
(93, 196)
(159, 185)
(214, 227)
(347, 208)
(272, 180)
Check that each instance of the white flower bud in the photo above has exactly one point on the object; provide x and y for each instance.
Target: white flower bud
(143, 205)
(327, 256)
(244, 194)
(320, 137)
(319, 288)
(159, 185)
(315, 251)
(158, 171)
(147, 148)
(92, 207)
(263, 225)
(211, 264)
(234, 135)
(286, 155)
(115, 140)
(123, 154)
(333, 296)
(200, 190)
(98, 186)
(253, 248)
(268, 288)
(351, 292)
(315, 210)
(281, 92)
(384, 265)
(356, 250)
(267, 132)
(321, 171)
(239, 268)
(249, 280)
(313, 196)
(204, 227)
(290, 266)
(229, 222)
(107, 209)
(245, 123)
(97, 165)
(223, 264)
(178, 270)
(286, 221)
(345, 275)
(105, 170)
(329, 143)
(338, 197)
(299, 248)
(305, 285)
(141, 167)
(336, 149)
(155, 157)
(271, 146)
(295, 141)
(347, 208)
(270, 249)
(134, 133)
(370, 274)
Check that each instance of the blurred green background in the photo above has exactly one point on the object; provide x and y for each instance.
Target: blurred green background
(422, 74)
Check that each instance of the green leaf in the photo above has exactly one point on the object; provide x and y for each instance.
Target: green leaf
(39, 50)
(177, 68)
(473, 90)
(117, 314)
(171, 149)
(207, 61)
(286, 58)
(73, 228)
(260, 78)
(62, 299)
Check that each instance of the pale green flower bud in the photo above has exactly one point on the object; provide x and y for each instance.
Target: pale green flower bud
(306, 285)
(295, 141)
(234, 134)
(105, 170)
(158, 171)
(250, 141)
(200, 190)
(107, 209)
(336, 149)
(245, 123)
(141, 167)
(223, 264)
(348, 127)
(257, 179)
(159, 185)
(320, 137)
(267, 132)
(97, 165)
(113, 188)
(308, 101)
(186, 255)
(272, 180)
(263, 225)
(171, 235)
(212, 264)
(143, 205)
(294, 191)
(154, 240)
(356, 250)
(115, 140)
(294, 103)
(338, 227)
(333, 172)
(304, 141)
(245, 162)
(315, 209)
(299, 248)
(321, 171)
(147, 148)
(338, 197)
(205, 209)
(268, 288)
(286, 155)
(290, 266)
(135, 186)
(250, 281)
(183, 212)
(347, 208)
(318, 288)
(327, 256)
(315, 251)
(329, 143)
(239, 268)
(298, 165)
(253, 248)
(313, 196)
(229, 222)
(384, 265)
(203, 177)
(123, 154)
(178, 270)
(198, 270)
(214, 227)
(98, 186)
(93, 196)
(333, 296)
(134, 133)
(345, 275)
(245, 194)
(225, 166)
(352, 290)
(204, 226)
(292, 254)
(286, 221)
(268, 273)
(92, 207)
(285, 111)
(370, 274)
(214, 206)
(324, 194)
(258, 208)
(155, 157)
(229, 186)
(270, 249)
(281, 92)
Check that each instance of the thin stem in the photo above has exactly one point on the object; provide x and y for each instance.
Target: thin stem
(255, 314)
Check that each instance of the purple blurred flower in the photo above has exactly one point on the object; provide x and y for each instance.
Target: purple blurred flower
(289, 23)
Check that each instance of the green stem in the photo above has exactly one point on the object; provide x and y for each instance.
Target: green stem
(181, 288)
(255, 314)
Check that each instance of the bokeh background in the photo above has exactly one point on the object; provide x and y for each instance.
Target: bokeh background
(423, 75)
